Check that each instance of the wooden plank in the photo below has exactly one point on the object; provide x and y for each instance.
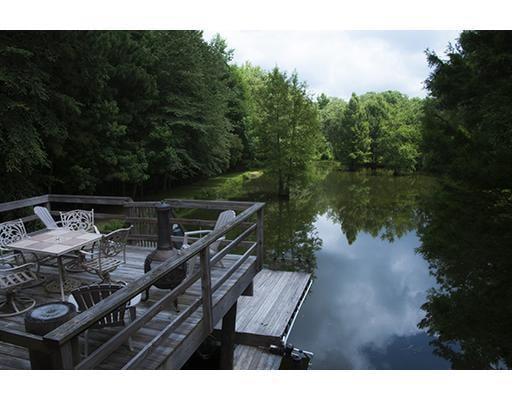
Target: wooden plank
(17, 204)
(209, 204)
(264, 318)
(253, 358)
(85, 199)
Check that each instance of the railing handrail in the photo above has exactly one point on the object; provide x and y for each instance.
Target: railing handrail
(84, 320)
(203, 204)
(17, 204)
(89, 199)
(64, 198)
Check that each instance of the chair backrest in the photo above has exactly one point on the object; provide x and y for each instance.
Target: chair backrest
(46, 218)
(223, 218)
(114, 242)
(78, 220)
(12, 231)
(88, 296)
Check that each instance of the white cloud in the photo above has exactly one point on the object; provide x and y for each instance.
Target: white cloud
(341, 62)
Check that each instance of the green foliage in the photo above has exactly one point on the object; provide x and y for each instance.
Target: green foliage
(110, 226)
(116, 111)
(287, 128)
(376, 130)
(468, 124)
(354, 146)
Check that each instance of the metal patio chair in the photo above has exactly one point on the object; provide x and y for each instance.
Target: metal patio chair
(78, 220)
(10, 232)
(13, 280)
(105, 258)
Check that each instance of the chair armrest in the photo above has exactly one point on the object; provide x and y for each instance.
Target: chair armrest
(18, 268)
(86, 253)
(186, 235)
(96, 230)
(192, 233)
(5, 257)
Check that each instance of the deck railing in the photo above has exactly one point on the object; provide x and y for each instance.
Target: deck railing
(62, 343)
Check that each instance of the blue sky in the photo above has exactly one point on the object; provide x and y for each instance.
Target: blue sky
(341, 62)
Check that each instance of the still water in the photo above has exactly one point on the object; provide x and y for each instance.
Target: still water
(378, 248)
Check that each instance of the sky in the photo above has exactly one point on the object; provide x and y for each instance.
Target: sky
(339, 63)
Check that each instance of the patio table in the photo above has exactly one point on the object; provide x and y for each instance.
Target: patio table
(56, 243)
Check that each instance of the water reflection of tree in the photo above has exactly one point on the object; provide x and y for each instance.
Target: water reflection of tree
(378, 205)
(290, 236)
(466, 238)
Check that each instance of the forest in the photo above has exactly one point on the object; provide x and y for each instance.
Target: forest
(117, 112)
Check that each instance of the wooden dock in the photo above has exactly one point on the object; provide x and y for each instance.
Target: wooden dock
(174, 350)
(251, 314)
(265, 318)
(162, 336)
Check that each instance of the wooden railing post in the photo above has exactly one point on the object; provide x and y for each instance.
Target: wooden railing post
(206, 288)
(65, 356)
(259, 238)
(228, 338)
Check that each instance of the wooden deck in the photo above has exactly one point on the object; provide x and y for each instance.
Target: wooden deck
(175, 349)
(264, 318)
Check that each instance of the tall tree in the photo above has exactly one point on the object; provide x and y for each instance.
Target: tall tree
(468, 124)
(355, 138)
(287, 128)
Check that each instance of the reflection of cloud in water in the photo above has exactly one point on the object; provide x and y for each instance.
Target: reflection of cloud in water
(365, 295)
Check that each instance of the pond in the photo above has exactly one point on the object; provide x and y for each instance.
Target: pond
(384, 274)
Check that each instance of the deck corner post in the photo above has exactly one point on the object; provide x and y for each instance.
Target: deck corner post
(64, 356)
(228, 338)
(206, 288)
(249, 290)
(259, 235)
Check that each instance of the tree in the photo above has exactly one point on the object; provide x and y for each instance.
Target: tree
(377, 112)
(142, 109)
(468, 124)
(287, 129)
(331, 121)
(355, 142)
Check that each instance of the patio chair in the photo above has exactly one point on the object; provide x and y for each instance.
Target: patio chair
(46, 218)
(11, 281)
(224, 218)
(86, 297)
(78, 220)
(105, 258)
(10, 232)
